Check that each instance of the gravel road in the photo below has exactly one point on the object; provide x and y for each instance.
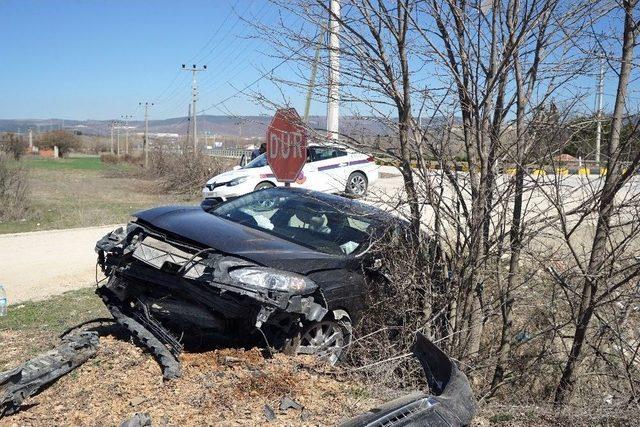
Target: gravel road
(39, 264)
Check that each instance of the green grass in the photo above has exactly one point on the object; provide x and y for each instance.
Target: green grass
(71, 163)
(54, 314)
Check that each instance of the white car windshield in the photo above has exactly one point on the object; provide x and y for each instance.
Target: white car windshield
(258, 162)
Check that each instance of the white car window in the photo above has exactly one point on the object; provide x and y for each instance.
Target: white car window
(258, 162)
(325, 153)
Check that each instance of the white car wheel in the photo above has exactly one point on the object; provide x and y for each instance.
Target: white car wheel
(264, 185)
(357, 184)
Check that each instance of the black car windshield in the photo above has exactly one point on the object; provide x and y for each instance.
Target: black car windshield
(320, 222)
(258, 162)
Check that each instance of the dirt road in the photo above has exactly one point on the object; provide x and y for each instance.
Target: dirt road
(43, 263)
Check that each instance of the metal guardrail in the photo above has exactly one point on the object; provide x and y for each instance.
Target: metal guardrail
(229, 153)
(563, 169)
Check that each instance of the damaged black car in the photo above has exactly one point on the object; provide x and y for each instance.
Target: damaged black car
(286, 264)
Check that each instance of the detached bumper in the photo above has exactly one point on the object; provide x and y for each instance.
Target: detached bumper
(452, 403)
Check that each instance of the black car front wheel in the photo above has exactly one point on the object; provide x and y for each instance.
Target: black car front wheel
(328, 340)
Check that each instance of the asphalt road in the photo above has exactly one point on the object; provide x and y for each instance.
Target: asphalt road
(43, 263)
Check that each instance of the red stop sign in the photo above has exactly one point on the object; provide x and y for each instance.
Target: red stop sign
(286, 145)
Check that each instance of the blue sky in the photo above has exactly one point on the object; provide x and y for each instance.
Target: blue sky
(97, 59)
(80, 59)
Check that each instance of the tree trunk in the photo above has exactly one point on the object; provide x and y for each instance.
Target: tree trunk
(605, 210)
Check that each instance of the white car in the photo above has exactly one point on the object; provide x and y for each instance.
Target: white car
(329, 169)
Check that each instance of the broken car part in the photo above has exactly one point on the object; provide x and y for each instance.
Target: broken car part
(148, 333)
(35, 375)
(451, 404)
(288, 263)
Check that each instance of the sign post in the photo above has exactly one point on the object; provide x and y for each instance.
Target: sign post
(286, 145)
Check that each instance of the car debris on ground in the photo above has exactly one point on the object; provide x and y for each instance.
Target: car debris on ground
(33, 376)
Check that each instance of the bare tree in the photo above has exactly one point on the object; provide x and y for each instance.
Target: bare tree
(472, 97)
(601, 250)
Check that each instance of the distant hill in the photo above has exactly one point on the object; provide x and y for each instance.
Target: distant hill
(248, 126)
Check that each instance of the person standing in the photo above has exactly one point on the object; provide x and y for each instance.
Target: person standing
(258, 151)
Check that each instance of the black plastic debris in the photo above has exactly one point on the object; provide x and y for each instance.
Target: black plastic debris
(138, 420)
(35, 375)
(269, 413)
(288, 403)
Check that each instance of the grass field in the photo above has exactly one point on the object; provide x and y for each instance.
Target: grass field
(82, 192)
(73, 163)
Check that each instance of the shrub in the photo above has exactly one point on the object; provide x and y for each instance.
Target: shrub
(108, 158)
(65, 141)
(14, 190)
(183, 173)
(15, 145)
(404, 295)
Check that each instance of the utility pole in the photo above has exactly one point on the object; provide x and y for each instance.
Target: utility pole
(145, 142)
(239, 124)
(113, 123)
(312, 77)
(334, 71)
(188, 129)
(194, 97)
(118, 138)
(126, 118)
(599, 110)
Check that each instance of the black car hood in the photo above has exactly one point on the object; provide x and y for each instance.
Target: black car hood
(194, 224)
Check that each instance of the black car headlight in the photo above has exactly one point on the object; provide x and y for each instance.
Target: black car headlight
(236, 181)
(275, 280)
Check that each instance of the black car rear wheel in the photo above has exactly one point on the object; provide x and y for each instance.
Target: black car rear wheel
(328, 340)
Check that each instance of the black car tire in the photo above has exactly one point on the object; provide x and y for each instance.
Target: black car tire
(357, 185)
(264, 185)
(300, 344)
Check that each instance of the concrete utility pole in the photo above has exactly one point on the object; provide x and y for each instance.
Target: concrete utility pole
(334, 72)
(188, 129)
(126, 118)
(194, 97)
(118, 139)
(145, 142)
(600, 95)
(312, 77)
(113, 123)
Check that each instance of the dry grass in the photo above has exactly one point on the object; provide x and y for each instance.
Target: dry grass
(222, 387)
(122, 380)
(66, 198)
(14, 190)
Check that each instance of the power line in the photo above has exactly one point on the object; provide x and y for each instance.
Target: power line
(231, 28)
(224, 21)
(234, 63)
(253, 82)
